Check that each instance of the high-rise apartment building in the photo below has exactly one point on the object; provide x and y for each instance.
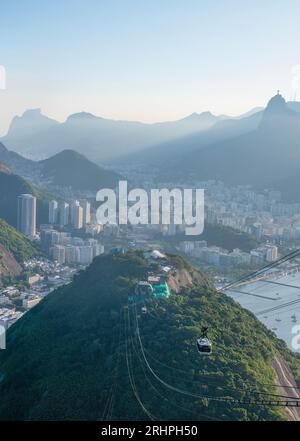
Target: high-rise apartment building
(78, 218)
(73, 208)
(86, 211)
(53, 212)
(26, 217)
(271, 253)
(63, 214)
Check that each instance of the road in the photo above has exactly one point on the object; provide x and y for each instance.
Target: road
(284, 376)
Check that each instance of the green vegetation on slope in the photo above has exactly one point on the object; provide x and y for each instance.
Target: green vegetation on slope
(72, 169)
(220, 236)
(228, 238)
(66, 358)
(15, 242)
(11, 187)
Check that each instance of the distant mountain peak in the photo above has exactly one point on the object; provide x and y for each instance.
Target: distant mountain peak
(31, 121)
(67, 154)
(82, 115)
(72, 169)
(201, 120)
(196, 115)
(277, 113)
(277, 103)
(32, 112)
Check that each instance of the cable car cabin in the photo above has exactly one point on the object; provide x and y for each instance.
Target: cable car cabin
(143, 289)
(204, 346)
(144, 310)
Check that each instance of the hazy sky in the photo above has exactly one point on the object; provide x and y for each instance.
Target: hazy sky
(148, 60)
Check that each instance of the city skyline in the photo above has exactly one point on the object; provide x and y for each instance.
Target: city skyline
(158, 62)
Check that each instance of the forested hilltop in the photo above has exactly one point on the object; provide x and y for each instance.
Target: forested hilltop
(85, 353)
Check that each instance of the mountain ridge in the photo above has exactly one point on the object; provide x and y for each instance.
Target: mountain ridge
(70, 168)
(65, 169)
(83, 332)
(101, 139)
(264, 157)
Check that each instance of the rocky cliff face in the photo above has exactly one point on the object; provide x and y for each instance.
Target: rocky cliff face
(8, 264)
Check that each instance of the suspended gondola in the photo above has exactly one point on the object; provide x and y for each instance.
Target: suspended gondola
(204, 345)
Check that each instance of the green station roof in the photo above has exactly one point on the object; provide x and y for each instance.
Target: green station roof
(161, 291)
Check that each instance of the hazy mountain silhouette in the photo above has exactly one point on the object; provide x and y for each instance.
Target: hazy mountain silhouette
(27, 126)
(266, 157)
(65, 169)
(225, 129)
(100, 139)
(71, 169)
(186, 145)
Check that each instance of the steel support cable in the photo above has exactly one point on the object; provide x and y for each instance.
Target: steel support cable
(292, 307)
(165, 398)
(278, 307)
(260, 272)
(263, 269)
(212, 382)
(154, 388)
(277, 403)
(292, 255)
(131, 378)
(116, 371)
(108, 401)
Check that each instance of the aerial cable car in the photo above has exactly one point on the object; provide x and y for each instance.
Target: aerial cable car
(203, 343)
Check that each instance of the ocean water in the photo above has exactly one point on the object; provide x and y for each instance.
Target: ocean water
(277, 306)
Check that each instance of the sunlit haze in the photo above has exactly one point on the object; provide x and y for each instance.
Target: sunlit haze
(146, 61)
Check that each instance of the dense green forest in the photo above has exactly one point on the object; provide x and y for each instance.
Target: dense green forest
(228, 238)
(11, 187)
(16, 243)
(77, 355)
(220, 236)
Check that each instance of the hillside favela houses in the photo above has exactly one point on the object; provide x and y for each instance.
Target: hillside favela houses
(62, 253)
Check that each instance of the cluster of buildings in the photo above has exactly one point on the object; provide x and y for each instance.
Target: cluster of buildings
(217, 256)
(263, 214)
(260, 213)
(43, 277)
(9, 316)
(65, 249)
(61, 246)
(77, 213)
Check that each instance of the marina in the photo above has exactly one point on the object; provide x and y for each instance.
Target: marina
(275, 302)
